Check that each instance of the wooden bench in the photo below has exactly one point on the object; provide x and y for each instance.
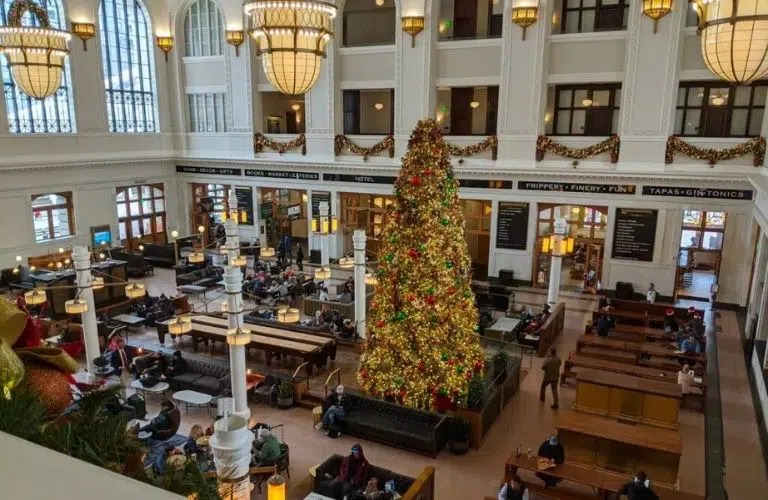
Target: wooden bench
(639, 349)
(655, 309)
(576, 360)
(631, 317)
(634, 333)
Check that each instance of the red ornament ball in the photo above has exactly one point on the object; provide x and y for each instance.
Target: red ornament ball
(413, 253)
(415, 181)
(411, 297)
(451, 290)
(422, 366)
(430, 300)
(380, 323)
(428, 171)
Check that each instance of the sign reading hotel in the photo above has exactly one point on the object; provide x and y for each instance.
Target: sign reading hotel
(187, 169)
(634, 234)
(359, 179)
(577, 187)
(693, 192)
(282, 174)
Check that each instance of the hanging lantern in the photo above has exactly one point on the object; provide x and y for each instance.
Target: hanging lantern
(196, 257)
(734, 38)
(179, 326)
(346, 262)
(292, 38)
(656, 9)
(288, 315)
(276, 488)
(267, 252)
(97, 283)
(35, 54)
(224, 249)
(371, 279)
(240, 261)
(238, 336)
(322, 273)
(35, 297)
(76, 306)
(135, 290)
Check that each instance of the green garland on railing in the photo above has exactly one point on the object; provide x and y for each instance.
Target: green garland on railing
(342, 142)
(260, 141)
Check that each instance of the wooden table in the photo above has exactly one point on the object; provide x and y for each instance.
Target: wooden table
(628, 398)
(639, 349)
(581, 361)
(608, 445)
(311, 354)
(601, 481)
(635, 333)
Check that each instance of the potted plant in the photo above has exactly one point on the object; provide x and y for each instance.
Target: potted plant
(285, 395)
(460, 430)
(500, 361)
(475, 392)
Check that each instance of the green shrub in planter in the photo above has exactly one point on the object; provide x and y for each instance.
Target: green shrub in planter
(285, 394)
(475, 392)
(500, 362)
(460, 429)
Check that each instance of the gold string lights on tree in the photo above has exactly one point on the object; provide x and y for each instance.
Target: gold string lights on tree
(422, 346)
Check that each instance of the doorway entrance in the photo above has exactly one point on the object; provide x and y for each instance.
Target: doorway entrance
(582, 267)
(701, 245)
(477, 234)
(284, 212)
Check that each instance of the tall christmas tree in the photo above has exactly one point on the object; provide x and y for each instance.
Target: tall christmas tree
(422, 346)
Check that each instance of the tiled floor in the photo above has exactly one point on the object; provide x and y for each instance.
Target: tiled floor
(525, 421)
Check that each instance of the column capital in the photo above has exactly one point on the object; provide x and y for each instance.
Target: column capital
(359, 238)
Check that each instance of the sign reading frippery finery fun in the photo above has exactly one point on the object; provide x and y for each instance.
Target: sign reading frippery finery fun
(576, 187)
(694, 192)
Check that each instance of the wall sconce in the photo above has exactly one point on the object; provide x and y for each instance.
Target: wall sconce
(83, 31)
(164, 43)
(235, 38)
(656, 9)
(525, 15)
(413, 25)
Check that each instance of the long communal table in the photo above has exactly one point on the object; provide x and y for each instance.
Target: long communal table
(581, 361)
(638, 349)
(311, 354)
(327, 345)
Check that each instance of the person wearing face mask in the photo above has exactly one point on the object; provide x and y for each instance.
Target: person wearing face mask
(553, 451)
(513, 490)
(353, 473)
(638, 489)
(334, 409)
(267, 448)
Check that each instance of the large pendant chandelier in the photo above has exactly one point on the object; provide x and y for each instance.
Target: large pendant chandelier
(35, 54)
(734, 38)
(292, 38)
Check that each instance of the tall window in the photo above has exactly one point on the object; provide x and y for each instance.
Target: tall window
(715, 109)
(204, 30)
(702, 230)
(369, 112)
(217, 194)
(587, 109)
(52, 216)
(467, 110)
(367, 23)
(129, 66)
(582, 16)
(470, 19)
(207, 112)
(31, 116)
(141, 213)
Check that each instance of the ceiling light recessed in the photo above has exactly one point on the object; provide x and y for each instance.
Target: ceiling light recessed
(379, 2)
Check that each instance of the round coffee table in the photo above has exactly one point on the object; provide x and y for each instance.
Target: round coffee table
(158, 388)
(193, 398)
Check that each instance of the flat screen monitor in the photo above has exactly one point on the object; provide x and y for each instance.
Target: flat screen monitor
(102, 236)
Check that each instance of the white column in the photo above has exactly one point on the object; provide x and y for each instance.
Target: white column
(324, 237)
(233, 283)
(82, 258)
(231, 446)
(320, 103)
(358, 239)
(556, 264)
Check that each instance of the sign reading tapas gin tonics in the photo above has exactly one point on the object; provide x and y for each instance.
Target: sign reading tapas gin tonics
(577, 187)
(694, 192)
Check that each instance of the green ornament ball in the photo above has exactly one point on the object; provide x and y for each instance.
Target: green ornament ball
(394, 240)
(444, 356)
(445, 221)
(431, 290)
(467, 295)
(459, 370)
(476, 328)
(442, 391)
(433, 320)
(397, 193)
(446, 203)
(389, 257)
(422, 247)
(400, 316)
(449, 265)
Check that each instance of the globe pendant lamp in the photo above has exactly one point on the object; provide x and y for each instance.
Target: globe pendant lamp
(291, 37)
(35, 54)
(734, 38)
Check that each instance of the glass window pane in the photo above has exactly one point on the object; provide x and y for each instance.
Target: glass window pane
(134, 208)
(133, 193)
(692, 217)
(755, 122)
(689, 239)
(160, 205)
(758, 99)
(681, 96)
(159, 224)
(678, 122)
(146, 224)
(579, 97)
(121, 196)
(122, 210)
(692, 120)
(40, 221)
(135, 229)
(695, 96)
(719, 96)
(712, 240)
(572, 21)
(157, 193)
(146, 206)
(564, 99)
(146, 192)
(573, 4)
(742, 96)
(60, 222)
(739, 122)
(579, 118)
(587, 21)
(715, 220)
(601, 97)
(121, 230)
(563, 122)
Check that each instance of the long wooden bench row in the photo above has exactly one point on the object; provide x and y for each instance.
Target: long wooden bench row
(639, 350)
(634, 333)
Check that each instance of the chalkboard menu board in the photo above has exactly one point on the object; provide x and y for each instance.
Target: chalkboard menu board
(317, 198)
(634, 234)
(245, 204)
(265, 210)
(512, 226)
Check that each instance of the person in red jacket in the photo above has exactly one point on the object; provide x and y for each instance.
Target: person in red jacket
(353, 474)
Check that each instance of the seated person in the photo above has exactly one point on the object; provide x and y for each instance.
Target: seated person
(266, 448)
(158, 365)
(542, 318)
(638, 489)
(329, 315)
(177, 365)
(513, 490)
(190, 446)
(317, 321)
(685, 378)
(670, 323)
(697, 324)
(162, 422)
(689, 313)
(374, 491)
(552, 450)
(323, 295)
(345, 297)
(690, 345)
(604, 323)
(334, 409)
(347, 330)
(353, 473)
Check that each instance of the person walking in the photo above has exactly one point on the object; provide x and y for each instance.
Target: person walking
(299, 258)
(551, 369)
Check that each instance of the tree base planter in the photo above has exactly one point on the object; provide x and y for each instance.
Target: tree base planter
(284, 403)
(459, 447)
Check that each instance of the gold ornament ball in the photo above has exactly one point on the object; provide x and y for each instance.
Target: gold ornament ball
(51, 385)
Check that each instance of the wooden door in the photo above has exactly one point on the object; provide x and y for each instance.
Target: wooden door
(290, 122)
(351, 112)
(715, 122)
(491, 118)
(461, 111)
(464, 18)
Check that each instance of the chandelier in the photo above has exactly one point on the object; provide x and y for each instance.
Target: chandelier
(35, 54)
(292, 37)
(734, 38)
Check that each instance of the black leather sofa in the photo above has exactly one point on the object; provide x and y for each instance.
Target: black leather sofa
(206, 277)
(396, 425)
(202, 375)
(136, 264)
(159, 255)
(332, 466)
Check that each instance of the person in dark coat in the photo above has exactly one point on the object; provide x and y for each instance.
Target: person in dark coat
(604, 323)
(162, 422)
(299, 258)
(514, 489)
(353, 474)
(552, 450)
(670, 323)
(638, 489)
(177, 365)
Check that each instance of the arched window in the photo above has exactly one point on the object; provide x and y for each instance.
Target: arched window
(141, 214)
(204, 29)
(31, 116)
(129, 66)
